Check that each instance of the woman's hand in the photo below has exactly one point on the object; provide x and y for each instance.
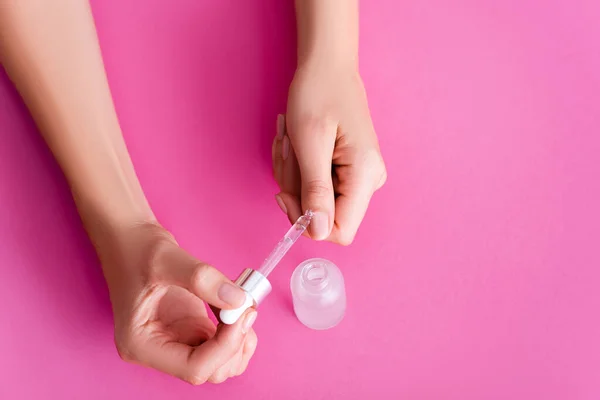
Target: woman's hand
(326, 156)
(158, 292)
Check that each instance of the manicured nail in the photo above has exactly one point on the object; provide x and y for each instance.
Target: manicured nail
(281, 204)
(319, 226)
(280, 126)
(285, 149)
(250, 318)
(231, 294)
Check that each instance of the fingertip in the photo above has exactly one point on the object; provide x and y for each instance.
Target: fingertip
(318, 196)
(232, 335)
(241, 319)
(383, 176)
(281, 203)
(231, 294)
(250, 343)
(248, 320)
(217, 378)
(343, 239)
(320, 226)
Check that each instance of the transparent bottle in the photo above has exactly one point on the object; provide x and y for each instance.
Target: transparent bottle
(318, 293)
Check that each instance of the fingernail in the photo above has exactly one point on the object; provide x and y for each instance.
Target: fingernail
(319, 226)
(249, 321)
(280, 126)
(231, 294)
(285, 149)
(281, 204)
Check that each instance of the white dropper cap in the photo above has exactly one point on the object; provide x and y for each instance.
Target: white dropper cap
(256, 286)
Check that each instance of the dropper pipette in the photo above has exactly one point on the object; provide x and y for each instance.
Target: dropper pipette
(285, 244)
(255, 282)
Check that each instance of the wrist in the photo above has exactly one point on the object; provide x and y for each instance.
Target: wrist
(327, 47)
(327, 32)
(328, 72)
(110, 204)
(108, 228)
(323, 59)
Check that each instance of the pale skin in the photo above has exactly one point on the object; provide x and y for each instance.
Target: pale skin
(158, 291)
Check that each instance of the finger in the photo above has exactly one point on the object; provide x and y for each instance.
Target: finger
(276, 151)
(280, 131)
(291, 204)
(285, 164)
(249, 349)
(313, 143)
(227, 370)
(206, 282)
(281, 204)
(196, 364)
(293, 208)
(291, 177)
(193, 331)
(350, 211)
(237, 360)
(353, 200)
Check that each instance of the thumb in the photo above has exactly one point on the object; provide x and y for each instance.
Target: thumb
(206, 282)
(313, 144)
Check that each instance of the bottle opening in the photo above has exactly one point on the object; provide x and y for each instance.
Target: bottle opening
(315, 276)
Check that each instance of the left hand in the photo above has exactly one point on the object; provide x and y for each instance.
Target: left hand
(158, 293)
(326, 156)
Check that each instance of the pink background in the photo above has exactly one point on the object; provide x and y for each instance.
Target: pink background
(481, 245)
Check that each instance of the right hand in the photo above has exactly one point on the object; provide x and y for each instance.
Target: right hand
(326, 156)
(158, 292)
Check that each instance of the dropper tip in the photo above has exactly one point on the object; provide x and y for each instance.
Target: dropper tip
(304, 220)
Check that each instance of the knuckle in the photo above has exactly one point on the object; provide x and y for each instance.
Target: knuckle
(318, 188)
(125, 349)
(156, 255)
(315, 125)
(197, 376)
(229, 343)
(202, 275)
(251, 340)
(346, 239)
(345, 235)
(382, 177)
(195, 380)
(374, 165)
(218, 377)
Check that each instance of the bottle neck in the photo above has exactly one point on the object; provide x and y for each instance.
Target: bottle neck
(314, 277)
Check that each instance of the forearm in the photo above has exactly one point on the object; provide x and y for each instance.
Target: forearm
(50, 51)
(327, 31)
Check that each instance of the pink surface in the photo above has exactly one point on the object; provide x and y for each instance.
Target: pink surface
(480, 247)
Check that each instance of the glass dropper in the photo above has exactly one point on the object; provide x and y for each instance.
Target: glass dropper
(285, 244)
